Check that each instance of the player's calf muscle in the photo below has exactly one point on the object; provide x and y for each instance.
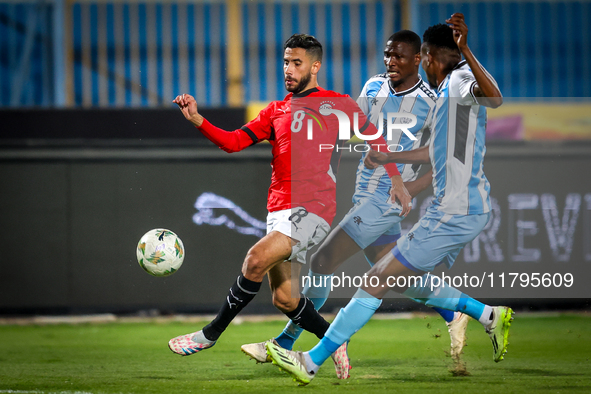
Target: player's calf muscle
(283, 300)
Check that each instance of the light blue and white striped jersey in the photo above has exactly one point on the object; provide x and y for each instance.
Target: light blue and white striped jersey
(457, 147)
(377, 97)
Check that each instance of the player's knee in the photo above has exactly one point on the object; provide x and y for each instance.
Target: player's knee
(255, 265)
(284, 301)
(321, 261)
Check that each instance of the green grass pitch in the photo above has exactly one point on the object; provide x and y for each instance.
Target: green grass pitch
(546, 354)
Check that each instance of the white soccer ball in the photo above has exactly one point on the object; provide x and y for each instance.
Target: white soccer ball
(160, 252)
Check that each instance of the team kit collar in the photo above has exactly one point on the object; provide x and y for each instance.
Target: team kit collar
(304, 93)
(407, 91)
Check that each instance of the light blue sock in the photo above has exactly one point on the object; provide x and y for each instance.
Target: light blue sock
(322, 351)
(448, 316)
(317, 290)
(442, 296)
(447, 297)
(348, 321)
(471, 307)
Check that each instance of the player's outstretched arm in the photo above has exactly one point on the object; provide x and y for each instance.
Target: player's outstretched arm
(229, 141)
(375, 159)
(486, 91)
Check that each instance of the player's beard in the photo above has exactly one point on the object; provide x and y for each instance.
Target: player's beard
(301, 85)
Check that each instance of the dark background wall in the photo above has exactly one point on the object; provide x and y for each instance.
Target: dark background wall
(74, 228)
(72, 214)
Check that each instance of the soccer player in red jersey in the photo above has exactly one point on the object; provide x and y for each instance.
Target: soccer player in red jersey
(302, 196)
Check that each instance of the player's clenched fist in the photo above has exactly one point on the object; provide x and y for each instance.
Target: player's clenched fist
(374, 159)
(188, 107)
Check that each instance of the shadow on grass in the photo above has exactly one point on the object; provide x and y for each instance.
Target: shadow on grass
(541, 372)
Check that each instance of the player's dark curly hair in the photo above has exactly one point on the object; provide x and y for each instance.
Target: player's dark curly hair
(408, 37)
(440, 35)
(305, 41)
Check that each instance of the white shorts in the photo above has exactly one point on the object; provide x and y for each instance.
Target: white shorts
(306, 228)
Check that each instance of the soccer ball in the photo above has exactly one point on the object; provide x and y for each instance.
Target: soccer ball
(160, 252)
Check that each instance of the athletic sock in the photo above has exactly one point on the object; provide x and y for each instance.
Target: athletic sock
(442, 296)
(240, 294)
(449, 298)
(308, 318)
(199, 337)
(475, 309)
(317, 290)
(487, 316)
(310, 365)
(284, 339)
(322, 351)
(348, 321)
(447, 315)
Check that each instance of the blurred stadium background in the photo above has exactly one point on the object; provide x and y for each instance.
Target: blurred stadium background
(93, 153)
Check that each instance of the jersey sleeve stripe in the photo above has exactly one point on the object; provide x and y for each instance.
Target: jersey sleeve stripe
(472, 86)
(250, 133)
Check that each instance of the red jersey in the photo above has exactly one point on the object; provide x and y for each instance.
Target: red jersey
(305, 146)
